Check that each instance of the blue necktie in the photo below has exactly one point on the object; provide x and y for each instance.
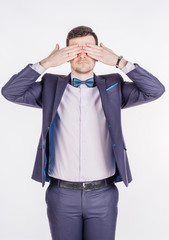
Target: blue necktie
(89, 82)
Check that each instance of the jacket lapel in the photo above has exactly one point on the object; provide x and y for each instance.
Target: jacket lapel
(61, 85)
(101, 84)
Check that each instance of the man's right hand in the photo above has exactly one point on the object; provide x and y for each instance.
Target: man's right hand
(58, 57)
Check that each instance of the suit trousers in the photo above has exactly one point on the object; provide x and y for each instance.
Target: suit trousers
(75, 214)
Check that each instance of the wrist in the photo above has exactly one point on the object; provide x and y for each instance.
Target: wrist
(123, 62)
(44, 64)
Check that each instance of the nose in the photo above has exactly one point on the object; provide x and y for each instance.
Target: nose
(82, 54)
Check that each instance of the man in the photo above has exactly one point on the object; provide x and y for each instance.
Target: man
(81, 149)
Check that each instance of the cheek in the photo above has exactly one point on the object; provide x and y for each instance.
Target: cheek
(92, 61)
(73, 61)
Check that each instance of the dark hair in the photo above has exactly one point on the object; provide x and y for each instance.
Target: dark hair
(80, 31)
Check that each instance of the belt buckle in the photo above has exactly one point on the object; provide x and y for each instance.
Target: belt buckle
(84, 184)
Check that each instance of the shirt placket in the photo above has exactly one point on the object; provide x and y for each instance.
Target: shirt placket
(82, 133)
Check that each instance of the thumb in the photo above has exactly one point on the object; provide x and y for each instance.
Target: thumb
(57, 46)
(101, 44)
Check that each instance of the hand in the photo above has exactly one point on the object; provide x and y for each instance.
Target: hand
(103, 54)
(58, 57)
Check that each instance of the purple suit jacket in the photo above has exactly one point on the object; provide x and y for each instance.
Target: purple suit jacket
(115, 93)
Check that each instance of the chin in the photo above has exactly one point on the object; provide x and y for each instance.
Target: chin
(83, 70)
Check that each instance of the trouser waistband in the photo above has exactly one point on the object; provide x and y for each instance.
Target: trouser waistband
(88, 185)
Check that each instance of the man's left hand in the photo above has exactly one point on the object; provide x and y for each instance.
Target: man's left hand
(103, 54)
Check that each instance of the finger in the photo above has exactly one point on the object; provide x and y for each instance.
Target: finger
(87, 49)
(70, 47)
(94, 52)
(98, 51)
(106, 48)
(92, 46)
(71, 57)
(74, 50)
(67, 55)
(95, 57)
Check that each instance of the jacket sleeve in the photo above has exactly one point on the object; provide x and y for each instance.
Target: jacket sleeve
(23, 89)
(144, 88)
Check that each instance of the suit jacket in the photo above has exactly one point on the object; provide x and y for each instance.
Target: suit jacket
(115, 93)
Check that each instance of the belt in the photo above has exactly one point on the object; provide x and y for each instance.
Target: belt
(88, 186)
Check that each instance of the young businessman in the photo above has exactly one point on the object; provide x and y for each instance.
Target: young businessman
(81, 149)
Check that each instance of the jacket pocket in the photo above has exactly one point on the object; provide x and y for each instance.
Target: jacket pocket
(112, 87)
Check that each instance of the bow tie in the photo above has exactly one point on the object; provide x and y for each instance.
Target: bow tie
(89, 82)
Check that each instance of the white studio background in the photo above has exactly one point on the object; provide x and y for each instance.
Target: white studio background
(138, 30)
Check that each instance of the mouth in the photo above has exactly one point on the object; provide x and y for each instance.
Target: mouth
(82, 62)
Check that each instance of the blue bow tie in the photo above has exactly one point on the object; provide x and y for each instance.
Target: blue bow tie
(89, 82)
